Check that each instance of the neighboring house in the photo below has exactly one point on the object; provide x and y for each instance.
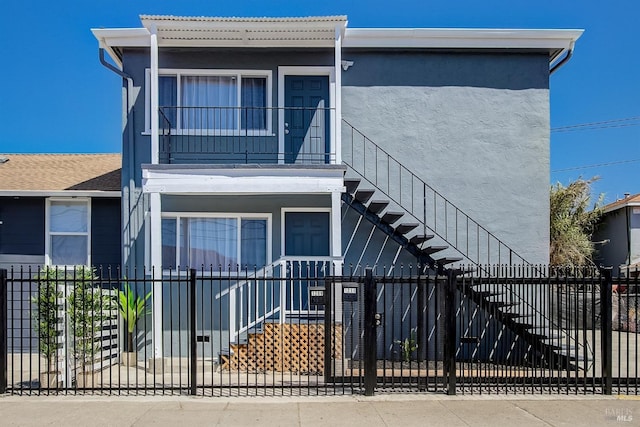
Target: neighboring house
(60, 209)
(618, 235)
(250, 142)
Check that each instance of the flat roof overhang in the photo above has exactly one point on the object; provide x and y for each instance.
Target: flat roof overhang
(321, 31)
(243, 179)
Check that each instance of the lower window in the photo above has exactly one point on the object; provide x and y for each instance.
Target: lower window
(67, 240)
(220, 243)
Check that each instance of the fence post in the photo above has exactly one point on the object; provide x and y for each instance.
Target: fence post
(370, 370)
(328, 328)
(606, 328)
(4, 330)
(450, 332)
(192, 329)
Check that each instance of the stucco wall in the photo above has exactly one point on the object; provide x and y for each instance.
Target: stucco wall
(473, 126)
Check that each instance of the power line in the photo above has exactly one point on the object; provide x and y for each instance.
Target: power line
(597, 165)
(605, 124)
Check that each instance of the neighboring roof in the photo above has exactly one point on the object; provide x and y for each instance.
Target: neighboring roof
(320, 31)
(31, 174)
(631, 200)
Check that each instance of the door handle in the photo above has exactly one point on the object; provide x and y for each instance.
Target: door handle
(286, 128)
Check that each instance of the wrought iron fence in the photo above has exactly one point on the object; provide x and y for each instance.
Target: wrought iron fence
(306, 327)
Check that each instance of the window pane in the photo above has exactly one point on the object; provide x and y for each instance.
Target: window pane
(68, 217)
(168, 99)
(168, 243)
(184, 244)
(254, 243)
(209, 102)
(254, 103)
(69, 250)
(213, 242)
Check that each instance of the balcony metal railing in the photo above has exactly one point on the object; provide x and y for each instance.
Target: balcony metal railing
(230, 135)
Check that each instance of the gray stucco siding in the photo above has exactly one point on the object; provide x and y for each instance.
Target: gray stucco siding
(474, 127)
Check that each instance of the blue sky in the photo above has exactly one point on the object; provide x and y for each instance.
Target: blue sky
(58, 98)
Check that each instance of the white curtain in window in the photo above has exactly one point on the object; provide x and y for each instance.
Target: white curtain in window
(209, 102)
(213, 242)
(68, 217)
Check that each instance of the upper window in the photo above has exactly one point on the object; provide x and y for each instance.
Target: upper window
(68, 232)
(223, 243)
(217, 101)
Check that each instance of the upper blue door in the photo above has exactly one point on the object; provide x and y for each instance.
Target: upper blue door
(306, 119)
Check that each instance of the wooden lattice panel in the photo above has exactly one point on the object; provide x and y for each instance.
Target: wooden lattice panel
(289, 347)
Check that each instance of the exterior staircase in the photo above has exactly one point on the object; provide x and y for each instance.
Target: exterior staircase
(409, 235)
(438, 234)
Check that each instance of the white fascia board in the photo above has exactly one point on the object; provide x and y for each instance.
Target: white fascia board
(58, 193)
(122, 37)
(459, 38)
(618, 207)
(243, 181)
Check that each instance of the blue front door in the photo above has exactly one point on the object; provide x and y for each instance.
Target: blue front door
(306, 235)
(307, 118)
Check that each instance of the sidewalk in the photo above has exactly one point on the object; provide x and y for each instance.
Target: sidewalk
(353, 411)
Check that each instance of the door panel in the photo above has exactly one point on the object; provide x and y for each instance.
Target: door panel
(307, 119)
(307, 233)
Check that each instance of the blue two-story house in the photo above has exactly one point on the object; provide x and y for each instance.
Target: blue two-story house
(300, 143)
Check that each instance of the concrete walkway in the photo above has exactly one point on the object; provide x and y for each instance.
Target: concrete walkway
(381, 410)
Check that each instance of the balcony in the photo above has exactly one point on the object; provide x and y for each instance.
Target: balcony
(246, 135)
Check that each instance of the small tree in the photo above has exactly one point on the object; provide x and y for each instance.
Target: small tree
(88, 309)
(48, 314)
(573, 219)
(131, 307)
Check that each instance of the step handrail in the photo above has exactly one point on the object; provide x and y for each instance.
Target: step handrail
(438, 198)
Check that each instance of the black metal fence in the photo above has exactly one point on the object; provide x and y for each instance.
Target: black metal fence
(297, 327)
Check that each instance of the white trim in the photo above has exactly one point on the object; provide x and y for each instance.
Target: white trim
(283, 212)
(154, 95)
(459, 38)
(234, 215)
(337, 112)
(239, 74)
(242, 180)
(47, 225)
(60, 193)
(306, 71)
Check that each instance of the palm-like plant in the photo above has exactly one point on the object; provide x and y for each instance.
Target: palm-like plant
(131, 308)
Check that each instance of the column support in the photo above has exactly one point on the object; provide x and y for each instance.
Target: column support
(155, 143)
(337, 138)
(155, 209)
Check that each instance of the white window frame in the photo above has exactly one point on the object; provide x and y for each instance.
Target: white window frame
(239, 74)
(49, 233)
(283, 224)
(234, 215)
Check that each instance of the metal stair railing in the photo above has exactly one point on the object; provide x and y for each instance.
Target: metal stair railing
(429, 207)
(465, 235)
(250, 304)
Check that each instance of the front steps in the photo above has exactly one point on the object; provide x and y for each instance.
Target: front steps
(289, 347)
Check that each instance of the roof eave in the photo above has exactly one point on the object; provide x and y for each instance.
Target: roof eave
(553, 41)
(60, 193)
